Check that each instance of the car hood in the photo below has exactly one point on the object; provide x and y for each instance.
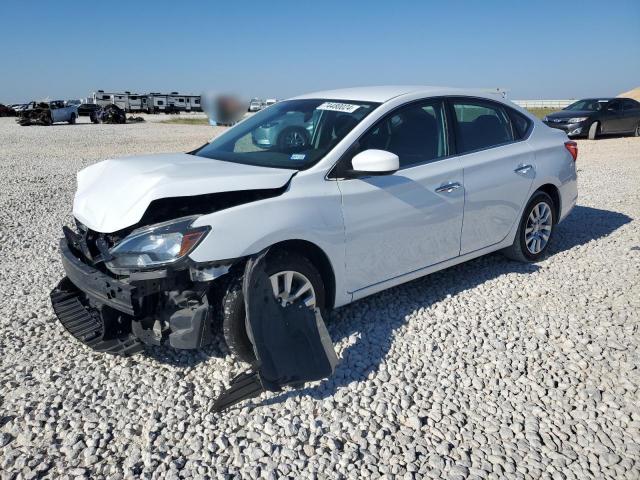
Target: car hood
(571, 114)
(114, 194)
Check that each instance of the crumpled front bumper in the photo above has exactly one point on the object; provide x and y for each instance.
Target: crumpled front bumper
(117, 316)
(97, 285)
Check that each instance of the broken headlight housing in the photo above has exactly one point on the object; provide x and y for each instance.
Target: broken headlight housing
(155, 246)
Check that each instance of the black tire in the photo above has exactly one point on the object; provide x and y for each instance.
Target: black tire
(285, 141)
(72, 119)
(594, 130)
(232, 309)
(519, 250)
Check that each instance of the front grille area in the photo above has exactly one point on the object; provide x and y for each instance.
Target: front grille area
(87, 325)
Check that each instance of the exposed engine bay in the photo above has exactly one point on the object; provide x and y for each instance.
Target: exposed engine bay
(171, 305)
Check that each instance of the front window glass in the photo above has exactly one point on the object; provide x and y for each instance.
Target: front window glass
(590, 105)
(292, 134)
(416, 133)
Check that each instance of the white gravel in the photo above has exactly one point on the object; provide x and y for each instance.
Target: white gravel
(487, 370)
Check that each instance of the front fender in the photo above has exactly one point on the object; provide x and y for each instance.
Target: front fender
(310, 210)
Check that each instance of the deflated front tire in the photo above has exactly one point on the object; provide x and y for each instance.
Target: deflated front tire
(232, 308)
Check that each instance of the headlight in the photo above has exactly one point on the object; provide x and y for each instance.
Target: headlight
(577, 119)
(156, 245)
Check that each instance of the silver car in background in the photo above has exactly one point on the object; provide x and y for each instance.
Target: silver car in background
(255, 105)
(292, 130)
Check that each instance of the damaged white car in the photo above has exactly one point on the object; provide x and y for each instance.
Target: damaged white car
(351, 191)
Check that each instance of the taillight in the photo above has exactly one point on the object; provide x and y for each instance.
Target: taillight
(572, 147)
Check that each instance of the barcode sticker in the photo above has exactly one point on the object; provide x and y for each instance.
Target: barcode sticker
(338, 107)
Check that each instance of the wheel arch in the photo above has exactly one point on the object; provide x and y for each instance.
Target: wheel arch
(551, 190)
(319, 259)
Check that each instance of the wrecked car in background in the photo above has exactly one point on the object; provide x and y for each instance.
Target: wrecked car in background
(110, 113)
(47, 113)
(373, 197)
(86, 109)
(6, 111)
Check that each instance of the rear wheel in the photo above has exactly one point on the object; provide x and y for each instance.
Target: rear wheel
(594, 130)
(293, 278)
(535, 230)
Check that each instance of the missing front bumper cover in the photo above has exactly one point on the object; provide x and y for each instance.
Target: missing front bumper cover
(291, 343)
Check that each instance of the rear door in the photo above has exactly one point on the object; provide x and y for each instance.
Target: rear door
(631, 114)
(498, 169)
(399, 223)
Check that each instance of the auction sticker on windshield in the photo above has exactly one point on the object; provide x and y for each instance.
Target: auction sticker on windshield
(338, 107)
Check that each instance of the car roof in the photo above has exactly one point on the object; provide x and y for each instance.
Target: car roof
(384, 93)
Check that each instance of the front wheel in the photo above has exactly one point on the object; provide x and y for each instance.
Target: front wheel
(293, 278)
(72, 119)
(535, 230)
(636, 133)
(594, 130)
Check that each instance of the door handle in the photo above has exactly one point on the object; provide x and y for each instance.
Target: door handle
(523, 169)
(448, 187)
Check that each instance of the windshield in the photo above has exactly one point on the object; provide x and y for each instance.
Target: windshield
(291, 134)
(591, 104)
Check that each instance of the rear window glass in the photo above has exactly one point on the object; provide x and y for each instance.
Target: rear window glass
(480, 125)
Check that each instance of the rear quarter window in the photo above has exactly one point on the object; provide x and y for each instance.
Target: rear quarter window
(521, 124)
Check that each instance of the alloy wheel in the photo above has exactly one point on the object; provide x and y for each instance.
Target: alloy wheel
(290, 286)
(538, 229)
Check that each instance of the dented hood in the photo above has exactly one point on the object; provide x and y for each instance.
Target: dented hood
(114, 194)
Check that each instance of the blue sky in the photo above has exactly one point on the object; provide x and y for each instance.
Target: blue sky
(542, 49)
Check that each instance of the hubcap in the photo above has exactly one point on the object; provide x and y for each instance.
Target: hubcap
(289, 286)
(538, 229)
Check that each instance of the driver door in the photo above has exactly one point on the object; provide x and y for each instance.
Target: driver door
(55, 111)
(396, 224)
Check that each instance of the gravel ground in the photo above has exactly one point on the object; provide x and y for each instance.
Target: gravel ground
(486, 370)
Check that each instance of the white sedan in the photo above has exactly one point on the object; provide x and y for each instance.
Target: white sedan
(381, 186)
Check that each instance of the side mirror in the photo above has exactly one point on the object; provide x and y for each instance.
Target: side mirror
(375, 162)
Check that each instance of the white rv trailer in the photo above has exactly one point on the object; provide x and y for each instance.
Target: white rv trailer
(156, 102)
(102, 98)
(129, 102)
(134, 102)
(185, 103)
(153, 102)
(192, 103)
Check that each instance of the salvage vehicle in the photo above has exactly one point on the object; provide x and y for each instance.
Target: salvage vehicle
(6, 111)
(593, 117)
(392, 184)
(86, 109)
(110, 113)
(47, 113)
